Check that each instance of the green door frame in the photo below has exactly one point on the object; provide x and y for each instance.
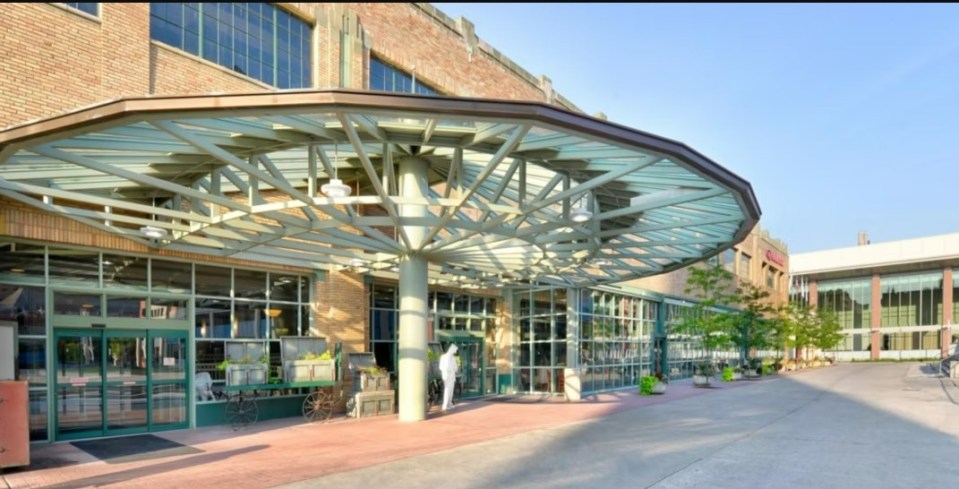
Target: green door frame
(465, 345)
(103, 336)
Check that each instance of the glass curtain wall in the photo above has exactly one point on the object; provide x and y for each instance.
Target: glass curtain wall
(246, 311)
(851, 300)
(452, 315)
(685, 350)
(541, 354)
(615, 335)
(912, 301)
(613, 344)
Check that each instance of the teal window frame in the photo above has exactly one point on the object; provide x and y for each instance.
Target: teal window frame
(388, 78)
(258, 40)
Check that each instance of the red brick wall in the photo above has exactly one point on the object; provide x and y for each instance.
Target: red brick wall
(57, 60)
(404, 35)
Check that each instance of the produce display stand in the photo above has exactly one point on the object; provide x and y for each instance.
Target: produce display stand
(241, 408)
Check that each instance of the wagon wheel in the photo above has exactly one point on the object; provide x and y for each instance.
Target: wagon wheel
(318, 406)
(241, 412)
(434, 394)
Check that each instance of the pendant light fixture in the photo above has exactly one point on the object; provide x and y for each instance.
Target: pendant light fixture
(335, 187)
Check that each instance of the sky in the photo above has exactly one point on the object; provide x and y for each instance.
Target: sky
(843, 117)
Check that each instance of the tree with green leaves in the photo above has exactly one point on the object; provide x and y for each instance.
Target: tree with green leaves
(713, 287)
(753, 326)
(827, 332)
(798, 326)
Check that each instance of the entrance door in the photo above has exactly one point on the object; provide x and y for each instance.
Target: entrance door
(112, 382)
(470, 376)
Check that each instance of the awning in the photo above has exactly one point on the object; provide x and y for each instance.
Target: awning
(518, 192)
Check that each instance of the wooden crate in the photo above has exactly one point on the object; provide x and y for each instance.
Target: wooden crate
(375, 403)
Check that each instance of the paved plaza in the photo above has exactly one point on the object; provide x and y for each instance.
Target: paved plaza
(853, 425)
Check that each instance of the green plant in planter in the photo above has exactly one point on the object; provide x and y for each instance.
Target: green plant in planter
(728, 374)
(247, 360)
(705, 368)
(313, 356)
(373, 370)
(646, 384)
(432, 355)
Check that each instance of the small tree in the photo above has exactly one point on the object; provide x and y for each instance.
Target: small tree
(712, 286)
(798, 324)
(750, 327)
(827, 332)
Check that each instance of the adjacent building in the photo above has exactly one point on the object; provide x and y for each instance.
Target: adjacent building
(894, 300)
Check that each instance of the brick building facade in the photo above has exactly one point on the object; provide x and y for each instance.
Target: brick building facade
(62, 57)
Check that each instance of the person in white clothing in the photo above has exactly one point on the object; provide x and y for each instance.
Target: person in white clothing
(448, 370)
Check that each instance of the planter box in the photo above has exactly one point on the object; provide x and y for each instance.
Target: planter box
(751, 374)
(372, 383)
(659, 388)
(700, 381)
(737, 376)
(246, 374)
(308, 370)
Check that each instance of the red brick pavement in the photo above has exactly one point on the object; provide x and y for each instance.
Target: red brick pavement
(276, 452)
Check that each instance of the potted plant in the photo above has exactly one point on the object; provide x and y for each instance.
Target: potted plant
(309, 367)
(754, 368)
(730, 374)
(245, 371)
(702, 373)
(651, 384)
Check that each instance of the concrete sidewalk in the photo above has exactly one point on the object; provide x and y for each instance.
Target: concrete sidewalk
(276, 452)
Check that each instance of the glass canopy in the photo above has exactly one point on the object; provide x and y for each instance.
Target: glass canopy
(517, 192)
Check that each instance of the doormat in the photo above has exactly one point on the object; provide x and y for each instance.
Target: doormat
(133, 448)
(526, 399)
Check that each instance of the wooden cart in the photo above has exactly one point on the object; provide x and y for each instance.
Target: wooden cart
(241, 400)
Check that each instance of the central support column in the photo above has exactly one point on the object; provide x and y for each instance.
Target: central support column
(413, 297)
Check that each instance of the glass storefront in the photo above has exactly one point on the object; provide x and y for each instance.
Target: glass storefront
(606, 335)
(116, 331)
(469, 320)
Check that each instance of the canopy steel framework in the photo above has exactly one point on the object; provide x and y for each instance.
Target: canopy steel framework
(468, 192)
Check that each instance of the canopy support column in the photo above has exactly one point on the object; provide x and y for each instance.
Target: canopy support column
(413, 298)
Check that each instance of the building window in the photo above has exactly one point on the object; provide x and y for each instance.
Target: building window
(851, 301)
(744, 265)
(254, 39)
(729, 260)
(85, 7)
(912, 300)
(391, 79)
(448, 312)
(770, 278)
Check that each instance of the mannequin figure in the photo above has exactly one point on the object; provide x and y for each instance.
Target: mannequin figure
(448, 370)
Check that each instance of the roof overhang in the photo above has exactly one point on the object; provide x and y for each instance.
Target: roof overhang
(240, 176)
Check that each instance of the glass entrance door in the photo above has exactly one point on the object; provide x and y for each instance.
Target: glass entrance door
(471, 374)
(79, 390)
(112, 382)
(126, 381)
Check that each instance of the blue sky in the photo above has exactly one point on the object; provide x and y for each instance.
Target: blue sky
(844, 117)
